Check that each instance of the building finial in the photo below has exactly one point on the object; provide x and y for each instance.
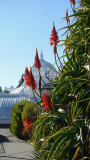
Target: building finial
(41, 56)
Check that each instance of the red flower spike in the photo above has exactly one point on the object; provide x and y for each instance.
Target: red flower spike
(54, 38)
(67, 12)
(27, 123)
(31, 81)
(67, 19)
(46, 101)
(72, 2)
(26, 75)
(37, 61)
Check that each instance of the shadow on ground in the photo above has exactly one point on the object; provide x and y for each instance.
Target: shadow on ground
(12, 158)
(3, 139)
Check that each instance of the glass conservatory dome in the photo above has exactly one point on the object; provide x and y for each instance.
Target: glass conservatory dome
(46, 70)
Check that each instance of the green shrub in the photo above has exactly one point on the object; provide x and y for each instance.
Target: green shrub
(31, 112)
(16, 121)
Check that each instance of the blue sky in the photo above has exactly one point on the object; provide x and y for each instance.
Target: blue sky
(24, 26)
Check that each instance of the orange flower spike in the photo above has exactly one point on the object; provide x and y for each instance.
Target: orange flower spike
(37, 61)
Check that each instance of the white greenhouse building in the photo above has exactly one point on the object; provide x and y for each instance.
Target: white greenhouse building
(7, 101)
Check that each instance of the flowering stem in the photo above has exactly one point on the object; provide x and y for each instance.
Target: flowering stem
(89, 63)
(69, 118)
(41, 78)
(56, 63)
(39, 82)
(37, 94)
(73, 9)
(37, 103)
(59, 60)
(36, 99)
(48, 79)
(52, 117)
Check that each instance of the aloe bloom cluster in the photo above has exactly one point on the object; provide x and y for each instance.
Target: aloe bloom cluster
(30, 81)
(46, 102)
(26, 75)
(54, 38)
(27, 123)
(37, 61)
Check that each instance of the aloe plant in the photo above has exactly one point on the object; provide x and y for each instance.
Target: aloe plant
(64, 133)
